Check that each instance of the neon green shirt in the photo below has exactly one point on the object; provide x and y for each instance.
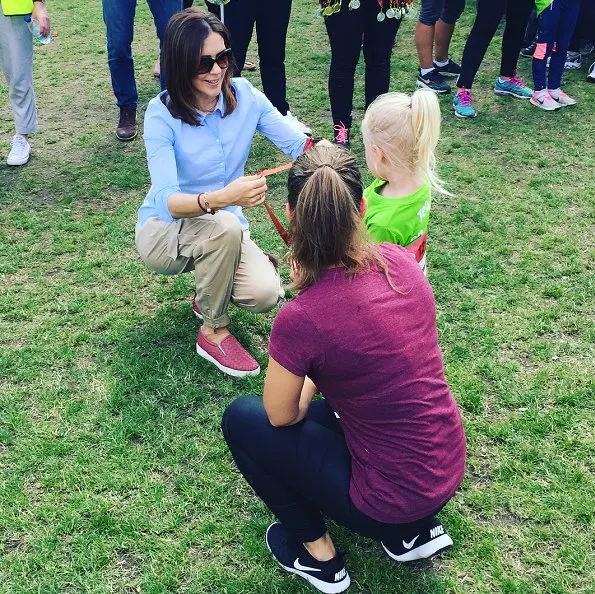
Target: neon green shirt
(541, 5)
(397, 220)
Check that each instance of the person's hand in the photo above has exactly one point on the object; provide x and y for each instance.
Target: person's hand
(247, 191)
(40, 14)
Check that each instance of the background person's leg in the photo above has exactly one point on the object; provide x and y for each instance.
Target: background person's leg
(489, 14)
(378, 43)
(118, 16)
(517, 17)
(16, 60)
(425, 30)
(240, 16)
(445, 26)
(567, 23)
(272, 21)
(162, 11)
(345, 30)
(546, 37)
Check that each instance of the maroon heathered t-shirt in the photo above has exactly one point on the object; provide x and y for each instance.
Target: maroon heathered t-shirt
(374, 355)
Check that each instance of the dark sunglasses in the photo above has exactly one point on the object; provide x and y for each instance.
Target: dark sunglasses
(207, 62)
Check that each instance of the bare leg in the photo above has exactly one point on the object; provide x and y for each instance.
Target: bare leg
(322, 549)
(444, 33)
(424, 42)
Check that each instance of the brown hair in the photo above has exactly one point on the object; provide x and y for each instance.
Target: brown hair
(182, 49)
(325, 196)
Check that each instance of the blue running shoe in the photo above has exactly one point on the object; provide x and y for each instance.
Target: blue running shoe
(463, 104)
(513, 86)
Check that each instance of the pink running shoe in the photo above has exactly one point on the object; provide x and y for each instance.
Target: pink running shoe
(562, 98)
(543, 100)
(229, 356)
(196, 308)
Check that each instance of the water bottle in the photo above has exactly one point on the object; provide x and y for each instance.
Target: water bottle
(33, 26)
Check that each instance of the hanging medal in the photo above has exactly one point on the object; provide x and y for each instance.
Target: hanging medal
(391, 13)
(380, 16)
(354, 4)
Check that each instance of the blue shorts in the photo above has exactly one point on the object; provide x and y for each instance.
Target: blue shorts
(447, 11)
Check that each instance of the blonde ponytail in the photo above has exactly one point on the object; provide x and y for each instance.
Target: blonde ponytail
(406, 129)
(425, 116)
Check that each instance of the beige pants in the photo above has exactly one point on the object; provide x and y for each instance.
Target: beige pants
(226, 266)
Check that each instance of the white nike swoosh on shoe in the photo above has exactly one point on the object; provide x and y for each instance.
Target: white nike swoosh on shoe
(409, 545)
(301, 567)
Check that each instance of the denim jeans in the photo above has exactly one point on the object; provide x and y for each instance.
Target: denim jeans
(119, 21)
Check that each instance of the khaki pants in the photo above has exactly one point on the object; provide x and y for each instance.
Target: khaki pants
(226, 266)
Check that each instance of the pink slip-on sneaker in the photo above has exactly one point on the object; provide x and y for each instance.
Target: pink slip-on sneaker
(229, 356)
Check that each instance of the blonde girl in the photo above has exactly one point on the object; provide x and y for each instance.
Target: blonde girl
(400, 135)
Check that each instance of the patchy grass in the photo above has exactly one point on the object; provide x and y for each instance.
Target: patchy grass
(113, 473)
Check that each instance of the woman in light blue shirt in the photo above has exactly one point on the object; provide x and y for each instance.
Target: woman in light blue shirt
(198, 135)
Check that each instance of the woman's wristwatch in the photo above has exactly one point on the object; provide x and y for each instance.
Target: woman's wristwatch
(206, 208)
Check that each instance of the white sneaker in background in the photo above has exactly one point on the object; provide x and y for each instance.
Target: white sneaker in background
(591, 73)
(573, 61)
(19, 151)
(297, 124)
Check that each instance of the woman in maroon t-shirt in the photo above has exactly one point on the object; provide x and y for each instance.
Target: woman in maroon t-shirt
(384, 450)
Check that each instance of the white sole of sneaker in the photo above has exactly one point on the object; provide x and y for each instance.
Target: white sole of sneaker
(544, 107)
(198, 315)
(16, 163)
(227, 370)
(464, 117)
(421, 85)
(426, 551)
(318, 584)
(511, 94)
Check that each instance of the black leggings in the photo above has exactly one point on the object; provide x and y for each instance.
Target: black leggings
(489, 15)
(272, 20)
(345, 32)
(303, 471)
(585, 26)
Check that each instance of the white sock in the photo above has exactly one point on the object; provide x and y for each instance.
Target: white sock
(542, 93)
(554, 93)
(425, 71)
(441, 64)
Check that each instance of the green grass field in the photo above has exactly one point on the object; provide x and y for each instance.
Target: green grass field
(114, 477)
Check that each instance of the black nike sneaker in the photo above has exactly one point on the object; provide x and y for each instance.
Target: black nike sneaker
(330, 577)
(433, 81)
(427, 543)
(450, 70)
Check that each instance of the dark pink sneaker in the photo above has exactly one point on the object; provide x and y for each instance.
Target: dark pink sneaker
(196, 308)
(229, 356)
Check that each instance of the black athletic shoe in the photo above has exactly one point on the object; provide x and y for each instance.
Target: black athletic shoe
(451, 70)
(527, 52)
(429, 542)
(330, 577)
(433, 81)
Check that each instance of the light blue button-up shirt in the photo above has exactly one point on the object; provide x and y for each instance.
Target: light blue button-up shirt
(193, 159)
